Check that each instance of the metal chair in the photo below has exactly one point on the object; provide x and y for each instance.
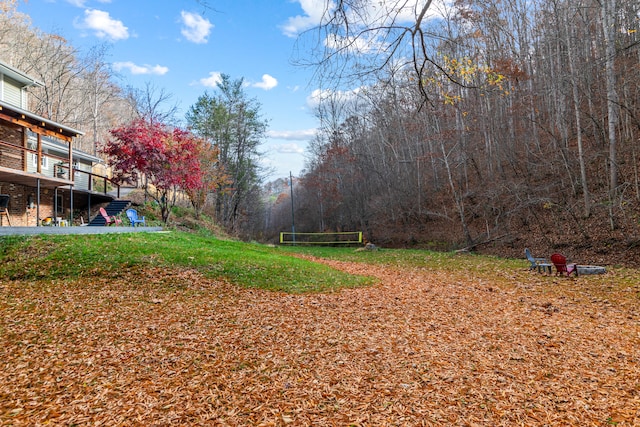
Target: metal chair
(4, 208)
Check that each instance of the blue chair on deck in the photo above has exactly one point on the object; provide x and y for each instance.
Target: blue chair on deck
(132, 214)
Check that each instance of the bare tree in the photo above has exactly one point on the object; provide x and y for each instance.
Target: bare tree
(152, 104)
(608, 9)
(13, 25)
(100, 95)
(360, 38)
(570, 36)
(52, 60)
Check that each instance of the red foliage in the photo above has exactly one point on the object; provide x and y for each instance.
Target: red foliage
(167, 157)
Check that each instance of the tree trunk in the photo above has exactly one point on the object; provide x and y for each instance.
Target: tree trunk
(608, 27)
(576, 108)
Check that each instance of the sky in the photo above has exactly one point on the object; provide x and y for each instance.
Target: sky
(182, 46)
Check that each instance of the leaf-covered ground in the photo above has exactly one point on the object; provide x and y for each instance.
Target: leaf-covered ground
(422, 347)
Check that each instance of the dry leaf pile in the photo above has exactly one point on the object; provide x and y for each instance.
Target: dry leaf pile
(422, 348)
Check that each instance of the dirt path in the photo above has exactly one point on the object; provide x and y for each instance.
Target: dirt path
(420, 348)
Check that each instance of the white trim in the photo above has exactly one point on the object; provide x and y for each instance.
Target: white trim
(45, 159)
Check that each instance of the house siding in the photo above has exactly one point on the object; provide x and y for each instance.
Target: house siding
(12, 92)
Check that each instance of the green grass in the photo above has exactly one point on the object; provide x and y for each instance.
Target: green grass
(87, 256)
(462, 266)
(412, 258)
(255, 265)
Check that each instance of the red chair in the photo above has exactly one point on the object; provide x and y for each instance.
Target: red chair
(109, 220)
(560, 261)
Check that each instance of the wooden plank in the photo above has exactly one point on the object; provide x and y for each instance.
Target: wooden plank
(42, 130)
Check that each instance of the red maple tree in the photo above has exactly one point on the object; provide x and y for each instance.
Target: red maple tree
(167, 158)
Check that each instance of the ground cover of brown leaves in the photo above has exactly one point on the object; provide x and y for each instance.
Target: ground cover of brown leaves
(421, 348)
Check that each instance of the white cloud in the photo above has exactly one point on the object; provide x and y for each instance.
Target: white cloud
(316, 97)
(268, 82)
(196, 28)
(82, 3)
(382, 13)
(369, 20)
(370, 13)
(321, 95)
(291, 148)
(292, 135)
(157, 70)
(103, 25)
(215, 77)
(357, 45)
(314, 11)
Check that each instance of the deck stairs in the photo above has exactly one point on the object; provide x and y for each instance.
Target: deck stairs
(114, 208)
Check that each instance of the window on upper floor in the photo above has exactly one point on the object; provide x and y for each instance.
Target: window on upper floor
(44, 161)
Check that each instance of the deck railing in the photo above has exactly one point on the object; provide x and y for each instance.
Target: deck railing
(53, 166)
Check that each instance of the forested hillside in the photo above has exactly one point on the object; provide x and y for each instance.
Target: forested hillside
(491, 126)
(494, 127)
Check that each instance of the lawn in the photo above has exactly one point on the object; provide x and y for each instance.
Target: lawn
(164, 329)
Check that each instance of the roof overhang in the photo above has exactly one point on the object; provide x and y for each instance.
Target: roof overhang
(77, 154)
(32, 121)
(18, 75)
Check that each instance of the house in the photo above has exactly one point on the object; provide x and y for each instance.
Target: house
(45, 178)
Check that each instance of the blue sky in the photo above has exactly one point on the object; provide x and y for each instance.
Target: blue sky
(182, 46)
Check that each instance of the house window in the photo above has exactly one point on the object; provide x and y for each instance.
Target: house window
(44, 161)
